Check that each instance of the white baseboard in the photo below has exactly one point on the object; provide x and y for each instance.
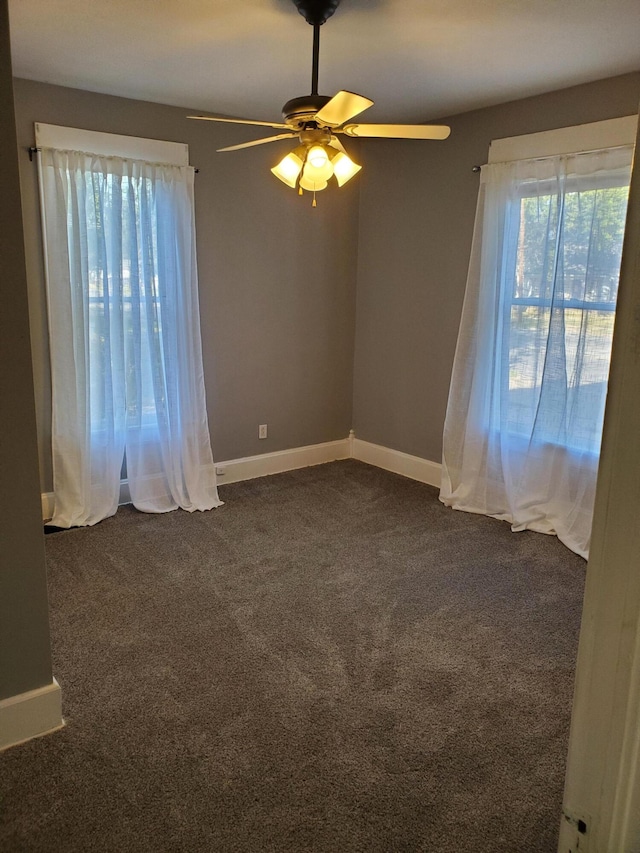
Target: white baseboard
(235, 470)
(47, 499)
(249, 467)
(47, 505)
(414, 467)
(30, 715)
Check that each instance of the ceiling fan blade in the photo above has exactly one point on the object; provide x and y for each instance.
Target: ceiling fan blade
(399, 131)
(341, 108)
(258, 141)
(274, 124)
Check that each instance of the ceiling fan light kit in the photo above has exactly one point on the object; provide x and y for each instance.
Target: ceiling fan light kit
(316, 119)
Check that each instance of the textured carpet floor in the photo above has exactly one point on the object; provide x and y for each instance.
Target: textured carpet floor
(333, 661)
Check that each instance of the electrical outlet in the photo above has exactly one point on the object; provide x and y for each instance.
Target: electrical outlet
(574, 837)
(262, 431)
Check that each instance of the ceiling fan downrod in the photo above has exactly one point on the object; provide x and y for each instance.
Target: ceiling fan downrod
(316, 12)
(315, 60)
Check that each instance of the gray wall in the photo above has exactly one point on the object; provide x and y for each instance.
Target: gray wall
(277, 277)
(417, 208)
(25, 657)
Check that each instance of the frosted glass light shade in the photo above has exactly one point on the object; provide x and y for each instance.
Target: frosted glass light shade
(288, 169)
(344, 168)
(311, 185)
(311, 168)
(317, 156)
(318, 173)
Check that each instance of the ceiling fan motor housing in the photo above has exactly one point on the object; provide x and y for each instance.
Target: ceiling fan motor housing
(316, 12)
(298, 111)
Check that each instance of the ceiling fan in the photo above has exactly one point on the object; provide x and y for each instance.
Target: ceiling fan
(317, 119)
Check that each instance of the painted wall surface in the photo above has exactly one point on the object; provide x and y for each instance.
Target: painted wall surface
(277, 277)
(25, 655)
(417, 210)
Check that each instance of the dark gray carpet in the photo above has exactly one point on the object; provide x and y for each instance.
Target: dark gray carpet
(333, 661)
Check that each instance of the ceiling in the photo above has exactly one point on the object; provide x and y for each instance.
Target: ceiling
(417, 59)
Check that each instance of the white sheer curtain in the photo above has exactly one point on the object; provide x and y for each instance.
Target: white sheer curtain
(126, 361)
(526, 406)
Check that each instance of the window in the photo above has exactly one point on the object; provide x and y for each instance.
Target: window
(564, 273)
(526, 404)
(126, 362)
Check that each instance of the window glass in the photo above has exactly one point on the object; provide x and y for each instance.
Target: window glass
(566, 267)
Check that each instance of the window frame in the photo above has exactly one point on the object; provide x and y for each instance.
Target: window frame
(570, 141)
(97, 143)
(111, 144)
(513, 216)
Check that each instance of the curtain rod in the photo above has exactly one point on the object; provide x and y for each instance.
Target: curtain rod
(33, 149)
